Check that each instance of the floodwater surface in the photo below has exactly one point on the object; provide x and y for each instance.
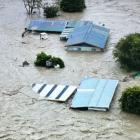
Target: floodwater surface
(23, 116)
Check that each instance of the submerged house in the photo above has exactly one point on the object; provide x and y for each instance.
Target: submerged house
(80, 35)
(47, 25)
(71, 25)
(88, 37)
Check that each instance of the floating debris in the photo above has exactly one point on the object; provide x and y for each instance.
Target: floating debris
(125, 79)
(25, 63)
(43, 36)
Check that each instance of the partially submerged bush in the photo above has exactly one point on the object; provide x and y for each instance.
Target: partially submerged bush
(72, 5)
(50, 11)
(130, 100)
(42, 58)
(127, 52)
(58, 61)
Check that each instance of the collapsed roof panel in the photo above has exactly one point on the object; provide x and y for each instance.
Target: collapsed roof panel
(96, 94)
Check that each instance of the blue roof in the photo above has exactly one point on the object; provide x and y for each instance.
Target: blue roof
(47, 25)
(95, 94)
(90, 34)
(76, 23)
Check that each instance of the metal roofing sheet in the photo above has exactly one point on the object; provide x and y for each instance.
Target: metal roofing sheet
(89, 34)
(95, 94)
(76, 23)
(47, 25)
(65, 34)
(54, 92)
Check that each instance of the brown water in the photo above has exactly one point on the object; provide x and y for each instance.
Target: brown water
(23, 116)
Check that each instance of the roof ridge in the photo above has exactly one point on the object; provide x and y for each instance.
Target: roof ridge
(88, 30)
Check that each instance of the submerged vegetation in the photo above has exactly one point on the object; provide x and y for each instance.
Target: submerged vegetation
(130, 100)
(127, 52)
(31, 5)
(72, 5)
(44, 60)
(50, 11)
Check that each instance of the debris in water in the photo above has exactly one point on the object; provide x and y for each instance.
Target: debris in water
(25, 63)
(43, 36)
(125, 79)
(23, 42)
(95, 72)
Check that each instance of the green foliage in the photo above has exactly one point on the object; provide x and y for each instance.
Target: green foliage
(72, 5)
(43, 57)
(130, 100)
(127, 52)
(50, 11)
(58, 61)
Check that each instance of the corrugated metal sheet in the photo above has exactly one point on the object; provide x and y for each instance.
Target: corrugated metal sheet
(95, 94)
(90, 34)
(76, 23)
(70, 28)
(65, 34)
(54, 92)
(47, 25)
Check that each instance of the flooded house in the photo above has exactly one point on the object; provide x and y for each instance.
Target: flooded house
(88, 37)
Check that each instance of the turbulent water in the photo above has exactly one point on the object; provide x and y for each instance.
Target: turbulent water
(23, 116)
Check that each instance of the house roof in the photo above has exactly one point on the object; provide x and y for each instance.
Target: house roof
(76, 23)
(54, 92)
(90, 34)
(95, 94)
(47, 25)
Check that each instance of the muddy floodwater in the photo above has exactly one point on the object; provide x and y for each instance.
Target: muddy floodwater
(23, 116)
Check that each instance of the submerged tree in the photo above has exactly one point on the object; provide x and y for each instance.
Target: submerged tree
(51, 10)
(130, 100)
(127, 52)
(31, 5)
(72, 5)
(44, 60)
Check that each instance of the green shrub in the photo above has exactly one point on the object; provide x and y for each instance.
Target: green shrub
(72, 5)
(58, 61)
(50, 11)
(43, 57)
(127, 52)
(130, 100)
